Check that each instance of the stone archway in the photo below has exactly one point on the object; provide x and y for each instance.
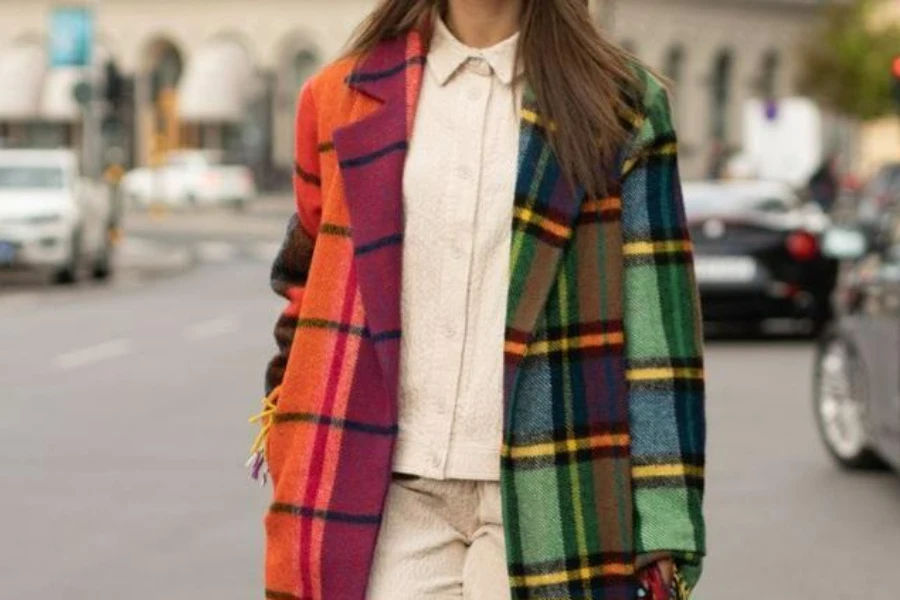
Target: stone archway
(161, 69)
(298, 59)
(216, 98)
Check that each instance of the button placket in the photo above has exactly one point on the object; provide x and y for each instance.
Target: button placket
(480, 196)
(462, 213)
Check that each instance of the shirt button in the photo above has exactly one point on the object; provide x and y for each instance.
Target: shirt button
(479, 65)
(474, 94)
(449, 332)
(435, 461)
(464, 172)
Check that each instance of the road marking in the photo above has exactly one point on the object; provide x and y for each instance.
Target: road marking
(94, 354)
(211, 251)
(210, 329)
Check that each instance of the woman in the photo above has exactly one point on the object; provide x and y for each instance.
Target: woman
(489, 382)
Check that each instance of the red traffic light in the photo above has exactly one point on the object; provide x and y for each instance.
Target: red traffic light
(895, 67)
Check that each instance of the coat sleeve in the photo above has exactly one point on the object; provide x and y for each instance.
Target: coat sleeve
(663, 345)
(291, 267)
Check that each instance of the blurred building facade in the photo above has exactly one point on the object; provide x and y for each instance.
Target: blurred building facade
(224, 74)
(717, 54)
(218, 74)
(879, 139)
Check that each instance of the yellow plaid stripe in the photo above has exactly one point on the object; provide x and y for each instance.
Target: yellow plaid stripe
(595, 340)
(664, 373)
(671, 470)
(583, 573)
(669, 149)
(602, 440)
(634, 118)
(599, 205)
(535, 119)
(529, 216)
(667, 247)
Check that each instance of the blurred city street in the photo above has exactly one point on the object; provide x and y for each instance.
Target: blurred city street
(124, 426)
(123, 435)
(147, 158)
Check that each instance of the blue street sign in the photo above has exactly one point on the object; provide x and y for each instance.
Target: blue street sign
(71, 36)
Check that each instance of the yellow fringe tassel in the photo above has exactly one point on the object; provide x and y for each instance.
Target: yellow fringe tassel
(265, 419)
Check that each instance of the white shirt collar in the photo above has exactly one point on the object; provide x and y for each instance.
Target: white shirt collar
(447, 54)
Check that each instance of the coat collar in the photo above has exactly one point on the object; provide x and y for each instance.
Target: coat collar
(372, 152)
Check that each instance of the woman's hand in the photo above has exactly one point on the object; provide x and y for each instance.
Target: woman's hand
(656, 581)
(667, 570)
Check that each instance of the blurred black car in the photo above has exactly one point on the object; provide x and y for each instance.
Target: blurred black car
(758, 254)
(878, 199)
(879, 194)
(857, 386)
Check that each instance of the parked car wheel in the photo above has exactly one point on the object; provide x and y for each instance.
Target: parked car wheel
(103, 265)
(841, 404)
(821, 320)
(71, 272)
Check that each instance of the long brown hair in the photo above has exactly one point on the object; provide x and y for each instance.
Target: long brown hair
(580, 79)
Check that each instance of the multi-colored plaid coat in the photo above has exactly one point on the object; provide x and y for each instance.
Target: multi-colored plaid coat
(603, 453)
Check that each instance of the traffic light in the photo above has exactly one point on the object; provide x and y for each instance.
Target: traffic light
(118, 93)
(114, 86)
(895, 80)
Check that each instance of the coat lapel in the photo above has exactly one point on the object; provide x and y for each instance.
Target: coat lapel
(371, 154)
(545, 210)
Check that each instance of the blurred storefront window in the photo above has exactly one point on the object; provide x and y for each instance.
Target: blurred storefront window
(720, 94)
(44, 134)
(159, 114)
(721, 90)
(215, 97)
(22, 68)
(303, 65)
(769, 71)
(674, 64)
(299, 59)
(673, 69)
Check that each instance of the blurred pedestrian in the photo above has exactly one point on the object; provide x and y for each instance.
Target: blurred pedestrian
(536, 430)
(824, 185)
(718, 159)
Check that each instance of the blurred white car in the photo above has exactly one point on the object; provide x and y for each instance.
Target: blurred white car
(51, 219)
(190, 178)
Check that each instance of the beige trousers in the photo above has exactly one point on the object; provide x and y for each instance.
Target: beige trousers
(440, 540)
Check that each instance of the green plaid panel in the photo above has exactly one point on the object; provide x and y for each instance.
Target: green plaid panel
(660, 522)
(537, 494)
(644, 315)
(664, 327)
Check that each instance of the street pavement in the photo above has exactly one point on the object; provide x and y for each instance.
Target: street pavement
(123, 436)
